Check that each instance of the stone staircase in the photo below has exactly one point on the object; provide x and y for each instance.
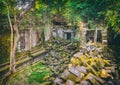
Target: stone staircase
(24, 60)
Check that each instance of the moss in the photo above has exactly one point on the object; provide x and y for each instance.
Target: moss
(38, 73)
(32, 75)
(4, 48)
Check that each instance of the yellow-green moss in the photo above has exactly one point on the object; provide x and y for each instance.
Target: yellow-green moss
(4, 48)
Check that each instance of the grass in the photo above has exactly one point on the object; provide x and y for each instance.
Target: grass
(38, 73)
(33, 75)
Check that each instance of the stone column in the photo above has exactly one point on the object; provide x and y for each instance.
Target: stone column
(19, 48)
(104, 37)
(65, 36)
(83, 37)
(72, 36)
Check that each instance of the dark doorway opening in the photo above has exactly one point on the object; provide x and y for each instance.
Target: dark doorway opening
(90, 35)
(68, 36)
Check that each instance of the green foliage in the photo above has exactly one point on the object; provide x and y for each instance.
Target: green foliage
(112, 18)
(33, 75)
(4, 48)
(38, 73)
(95, 11)
(88, 9)
(3, 19)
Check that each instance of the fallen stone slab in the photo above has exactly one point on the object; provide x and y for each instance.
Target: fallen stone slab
(85, 83)
(67, 75)
(58, 81)
(78, 54)
(82, 69)
(69, 82)
(74, 71)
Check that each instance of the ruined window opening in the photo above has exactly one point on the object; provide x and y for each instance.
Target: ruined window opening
(68, 36)
(90, 35)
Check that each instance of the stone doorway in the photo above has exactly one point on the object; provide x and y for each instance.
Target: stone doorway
(90, 35)
(68, 36)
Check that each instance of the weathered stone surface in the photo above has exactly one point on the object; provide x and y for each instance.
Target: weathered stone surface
(85, 83)
(65, 74)
(81, 69)
(69, 82)
(74, 71)
(90, 48)
(57, 81)
(91, 77)
(75, 61)
(78, 54)
(104, 73)
(91, 63)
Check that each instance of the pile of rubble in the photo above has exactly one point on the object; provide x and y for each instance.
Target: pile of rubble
(92, 65)
(57, 60)
(59, 57)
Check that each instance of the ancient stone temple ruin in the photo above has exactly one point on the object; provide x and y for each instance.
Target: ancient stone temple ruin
(28, 38)
(82, 32)
(94, 35)
(64, 32)
(61, 29)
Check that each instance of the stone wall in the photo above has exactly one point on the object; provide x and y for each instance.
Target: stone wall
(47, 32)
(28, 38)
(104, 37)
(90, 35)
(96, 35)
(67, 34)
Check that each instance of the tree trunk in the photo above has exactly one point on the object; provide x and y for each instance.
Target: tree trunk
(16, 38)
(15, 43)
(15, 32)
(11, 43)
